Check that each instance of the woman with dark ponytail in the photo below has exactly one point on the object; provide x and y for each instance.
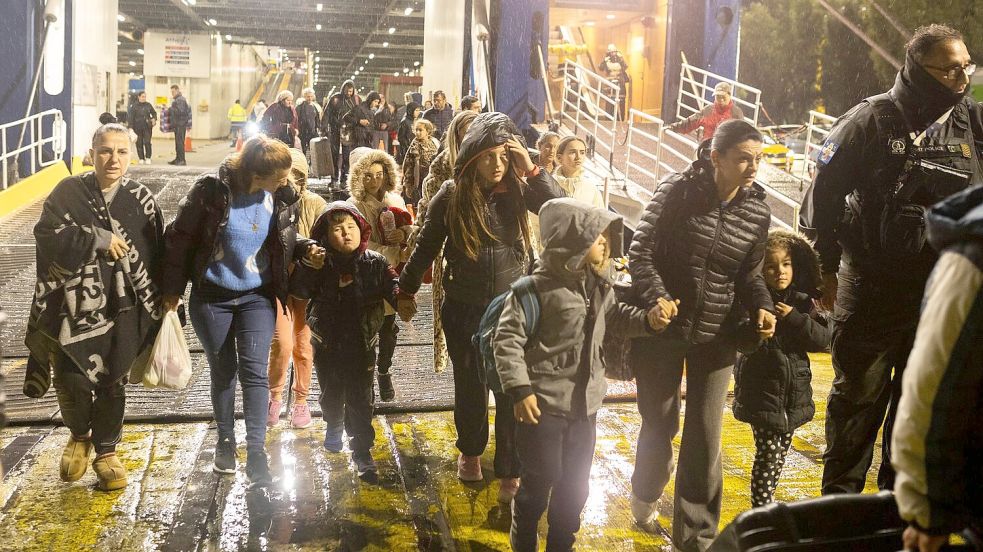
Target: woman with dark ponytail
(697, 254)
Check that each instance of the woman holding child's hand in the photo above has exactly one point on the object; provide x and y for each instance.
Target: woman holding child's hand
(699, 248)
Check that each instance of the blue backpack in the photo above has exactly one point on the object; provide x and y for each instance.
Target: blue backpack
(482, 340)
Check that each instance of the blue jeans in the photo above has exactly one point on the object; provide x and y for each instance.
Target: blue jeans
(236, 331)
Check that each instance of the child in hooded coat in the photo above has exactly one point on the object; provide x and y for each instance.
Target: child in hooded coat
(346, 310)
(372, 183)
(556, 376)
(773, 390)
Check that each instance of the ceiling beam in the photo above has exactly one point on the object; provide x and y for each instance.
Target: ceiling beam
(186, 10)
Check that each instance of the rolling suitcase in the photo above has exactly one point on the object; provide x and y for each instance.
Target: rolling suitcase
(322, 164)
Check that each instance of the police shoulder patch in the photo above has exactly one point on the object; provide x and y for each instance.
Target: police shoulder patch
(826, 153)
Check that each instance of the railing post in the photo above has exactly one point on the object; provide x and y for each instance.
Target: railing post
(33, 146)
(795, 218)
(631, 127)
(3, 132)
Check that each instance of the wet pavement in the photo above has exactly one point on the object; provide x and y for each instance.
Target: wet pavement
(175, 502)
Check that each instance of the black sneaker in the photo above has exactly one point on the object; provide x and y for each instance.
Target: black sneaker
(258, 471)
(365, 466)
(225, 456)
(386, 391)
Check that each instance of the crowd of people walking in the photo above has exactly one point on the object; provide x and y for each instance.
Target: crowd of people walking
(279, 276)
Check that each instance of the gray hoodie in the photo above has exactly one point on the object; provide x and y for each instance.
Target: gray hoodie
(562, 363)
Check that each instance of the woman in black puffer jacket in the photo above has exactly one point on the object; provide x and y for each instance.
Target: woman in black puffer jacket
(480, 219)
(699, 246)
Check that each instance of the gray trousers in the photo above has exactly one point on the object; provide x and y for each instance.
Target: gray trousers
(658, 366)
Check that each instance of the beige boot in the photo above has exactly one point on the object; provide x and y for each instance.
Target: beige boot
(75, 458)
(110, 471)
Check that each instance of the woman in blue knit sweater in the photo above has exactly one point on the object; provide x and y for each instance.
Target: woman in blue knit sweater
(233, 238)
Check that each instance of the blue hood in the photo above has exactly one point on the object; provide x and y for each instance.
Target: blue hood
(957, 218)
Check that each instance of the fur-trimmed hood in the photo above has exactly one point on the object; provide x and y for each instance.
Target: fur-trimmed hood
(363, 158)
(806, 275)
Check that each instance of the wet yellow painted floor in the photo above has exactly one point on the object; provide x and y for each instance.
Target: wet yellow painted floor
(175, 502)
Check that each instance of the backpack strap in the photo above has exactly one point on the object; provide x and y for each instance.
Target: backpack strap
(525, 291)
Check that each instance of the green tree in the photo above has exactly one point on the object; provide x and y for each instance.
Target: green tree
(780, 55)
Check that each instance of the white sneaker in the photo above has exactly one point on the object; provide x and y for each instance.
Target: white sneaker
(645, 512)
(147, 161)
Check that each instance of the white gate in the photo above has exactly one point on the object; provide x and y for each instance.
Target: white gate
(589, 106)
(42, 129)
(696, 92)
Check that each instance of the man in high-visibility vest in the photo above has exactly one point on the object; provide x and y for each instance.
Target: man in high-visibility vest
(237, 119)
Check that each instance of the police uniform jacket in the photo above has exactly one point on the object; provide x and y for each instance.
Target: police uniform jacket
(863, 160)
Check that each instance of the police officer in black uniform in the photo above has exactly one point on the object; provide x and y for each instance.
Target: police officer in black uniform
(884, 162)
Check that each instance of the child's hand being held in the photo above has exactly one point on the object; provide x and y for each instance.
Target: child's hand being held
(657, 319)
(527, 411)
(783, 309)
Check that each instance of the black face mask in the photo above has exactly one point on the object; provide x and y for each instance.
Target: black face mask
(922, 93)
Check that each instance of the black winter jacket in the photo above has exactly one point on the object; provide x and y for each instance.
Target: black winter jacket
(373, 284)
(500, 262)
(688, 246)
(308, 119)
(280, 122)
(191, 238)
(179, 114)
(339, 109)
(773, 377)
(143, 116)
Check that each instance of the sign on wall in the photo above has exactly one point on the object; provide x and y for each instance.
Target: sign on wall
(177, 55)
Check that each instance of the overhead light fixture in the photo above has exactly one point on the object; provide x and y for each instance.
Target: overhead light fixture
(408, 11)
(589, 23)
(361, 68)
(192, 2)
(320, 7)
(212, 22)
(318, 26)
(416, 64)
(228, 37)
(392, 30)
(385, 44)
(610, 16)
(133, 63)
(318, 58)
(121, 18)
(118, 43)
(131, 73)
(140, 51)
(406, 69)
(396, 73)
(371, 56)
(356, 73)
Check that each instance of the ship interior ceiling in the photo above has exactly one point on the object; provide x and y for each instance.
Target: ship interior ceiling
(367, 38)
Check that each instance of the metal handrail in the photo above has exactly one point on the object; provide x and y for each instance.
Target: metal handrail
(820, 124)
(35, 145)
(594, 94)
(700, 84)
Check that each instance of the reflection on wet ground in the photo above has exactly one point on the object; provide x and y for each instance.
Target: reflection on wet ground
(175, 502)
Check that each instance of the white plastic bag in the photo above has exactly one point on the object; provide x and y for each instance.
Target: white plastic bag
(170, 361)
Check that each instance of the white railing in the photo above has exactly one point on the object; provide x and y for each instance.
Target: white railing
(588, 106)
(817, 130)
(668, 152)
(40, 131)
(652, 136)
(696, 92)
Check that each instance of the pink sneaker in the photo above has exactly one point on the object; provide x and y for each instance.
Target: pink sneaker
(506, 491)
(273, 415)
(300, 417)
(469, 468)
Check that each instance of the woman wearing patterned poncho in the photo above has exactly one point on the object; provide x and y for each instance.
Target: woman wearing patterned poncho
(96, 303)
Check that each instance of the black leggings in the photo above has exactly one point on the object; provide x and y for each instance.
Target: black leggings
(471, 395)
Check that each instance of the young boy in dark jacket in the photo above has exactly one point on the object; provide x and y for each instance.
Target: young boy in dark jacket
(345, 314)
(556, 377)
(773, 389)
